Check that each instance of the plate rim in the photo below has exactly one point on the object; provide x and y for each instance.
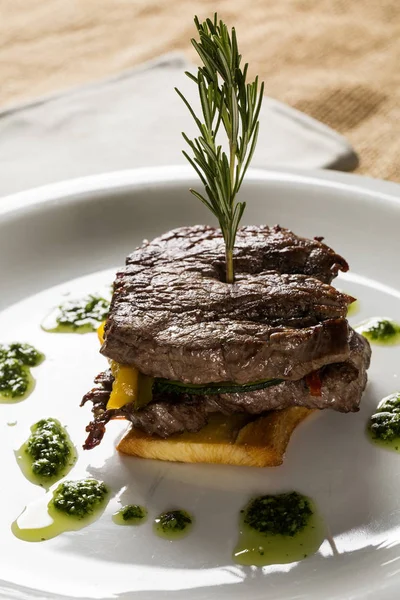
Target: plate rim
(74, 190)
(70, 189)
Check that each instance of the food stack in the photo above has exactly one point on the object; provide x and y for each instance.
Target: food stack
(220, 372)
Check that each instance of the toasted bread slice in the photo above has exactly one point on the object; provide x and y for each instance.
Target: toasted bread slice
(233, 440)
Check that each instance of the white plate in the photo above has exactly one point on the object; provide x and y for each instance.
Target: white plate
(83, 229)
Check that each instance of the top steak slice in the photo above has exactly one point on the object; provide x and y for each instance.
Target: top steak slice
(257, 249)
(172, 316)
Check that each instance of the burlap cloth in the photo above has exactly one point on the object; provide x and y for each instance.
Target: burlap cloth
(337, 60)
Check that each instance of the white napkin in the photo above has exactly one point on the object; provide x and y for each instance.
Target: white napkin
(135, 119)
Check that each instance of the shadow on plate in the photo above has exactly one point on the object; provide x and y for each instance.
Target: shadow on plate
(303, 582)
(329, 459)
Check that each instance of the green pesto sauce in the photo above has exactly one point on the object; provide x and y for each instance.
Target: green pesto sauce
(74, 505)
(278, 529)
(132, 514)
(380, 330)
(173, 525)
(16, 360)
(82, 315)
(79, 499)
(384, 425)
(48, 454)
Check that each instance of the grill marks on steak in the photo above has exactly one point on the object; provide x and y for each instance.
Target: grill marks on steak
(173, 317)
(342, 385)
(236, 353)
(257, 249)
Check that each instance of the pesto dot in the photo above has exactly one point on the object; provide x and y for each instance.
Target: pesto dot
(132, 514)
(173, 524)
(385, 422)
(84, 314)
(283, 514)
(24, 353)
(380, 330)
(133, 511)
(14, 379)
(79, 499)
(49, 448)
(15, 362)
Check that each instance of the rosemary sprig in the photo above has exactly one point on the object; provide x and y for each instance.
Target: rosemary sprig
(226, 99)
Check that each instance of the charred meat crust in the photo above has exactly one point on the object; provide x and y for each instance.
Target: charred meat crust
(257, 249)
(342, 385)
(172, 316)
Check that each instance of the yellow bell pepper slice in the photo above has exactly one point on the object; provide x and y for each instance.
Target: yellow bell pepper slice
(100, 332)
(127, 381)
(125, 387)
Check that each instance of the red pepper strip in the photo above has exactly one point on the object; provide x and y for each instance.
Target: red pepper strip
(313, 380)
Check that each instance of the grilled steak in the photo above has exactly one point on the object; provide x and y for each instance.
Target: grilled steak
(173, 316)
(341, 387)
(257, 249)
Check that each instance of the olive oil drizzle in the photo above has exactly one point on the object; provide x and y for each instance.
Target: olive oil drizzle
(60, 511)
